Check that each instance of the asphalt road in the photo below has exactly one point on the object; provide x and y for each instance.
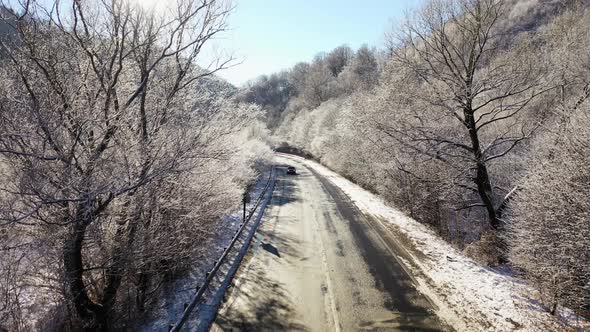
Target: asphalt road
(319, 264)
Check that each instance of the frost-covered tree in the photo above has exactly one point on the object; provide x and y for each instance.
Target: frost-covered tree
(549, 217)
(550, 233)
(459, 98)
(115, 147)
(272, 93)
(365, 68)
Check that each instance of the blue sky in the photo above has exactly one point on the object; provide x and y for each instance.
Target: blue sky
(271, 35)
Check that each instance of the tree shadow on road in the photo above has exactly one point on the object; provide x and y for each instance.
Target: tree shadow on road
(286, 189)
(404, 322)
(263, 305)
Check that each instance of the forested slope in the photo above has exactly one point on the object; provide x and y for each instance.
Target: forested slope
(473, 119)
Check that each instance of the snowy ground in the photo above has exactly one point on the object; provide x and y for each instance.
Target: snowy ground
(470, 297)
(170, 307)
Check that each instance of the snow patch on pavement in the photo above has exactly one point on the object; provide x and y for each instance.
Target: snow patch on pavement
(469, 297)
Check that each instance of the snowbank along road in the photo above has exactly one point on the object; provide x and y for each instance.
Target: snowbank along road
(319, 264)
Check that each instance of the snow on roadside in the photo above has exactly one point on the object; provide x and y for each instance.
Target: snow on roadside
(469, 296)
(170, 306)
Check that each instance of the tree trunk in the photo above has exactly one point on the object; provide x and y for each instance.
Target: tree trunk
(87, 310)
(125, 237)
(482, 177)
(554, 308)
(484, 186)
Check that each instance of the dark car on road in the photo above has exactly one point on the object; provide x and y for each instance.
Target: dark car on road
(291, 170)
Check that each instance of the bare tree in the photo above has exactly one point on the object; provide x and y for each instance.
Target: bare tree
(459, 97)
(339, 58)
(272, 93)
(365, 68)
(99, 125)
(316, 86)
